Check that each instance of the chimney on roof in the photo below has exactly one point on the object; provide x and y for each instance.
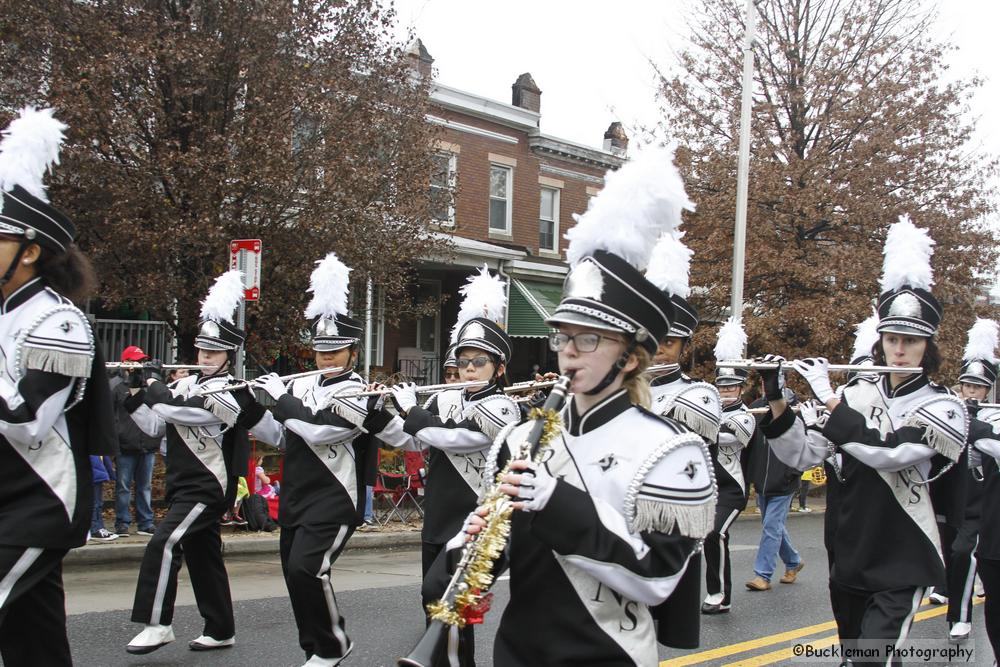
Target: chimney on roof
(615, 140)
(419, 58)
(525, 94)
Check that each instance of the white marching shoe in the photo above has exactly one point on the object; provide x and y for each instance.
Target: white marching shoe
(206, 643)
(959, 632)
(317, 661)
(934, 597)
(150, 639)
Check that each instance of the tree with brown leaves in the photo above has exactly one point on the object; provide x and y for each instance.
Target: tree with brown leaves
(854, 123)
(195, 122)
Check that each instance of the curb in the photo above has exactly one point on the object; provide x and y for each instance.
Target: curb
(265, 543)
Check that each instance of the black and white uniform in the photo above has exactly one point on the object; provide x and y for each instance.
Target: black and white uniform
(885, 538)
(322, 499)
(207, 450)
(737, 433)
(47, 370)
(987, 555)
(697, 405)
(620, 529)
(458, 428)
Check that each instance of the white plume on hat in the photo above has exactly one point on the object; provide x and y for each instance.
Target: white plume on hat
(983, 339)
(670, 264)
(732, 340)
(329, 284)
(865, 336)
(907, 262)
(29, 148)
(640, 202)
(484, 295)
(223, 297)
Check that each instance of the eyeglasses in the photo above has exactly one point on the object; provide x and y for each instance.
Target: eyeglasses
(584, 342)
(478, 362)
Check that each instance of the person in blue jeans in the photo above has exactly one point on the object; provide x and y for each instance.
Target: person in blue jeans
(137, 450)
(776, 485)
(102, 470)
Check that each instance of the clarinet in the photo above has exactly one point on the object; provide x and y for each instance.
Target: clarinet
(473, 575)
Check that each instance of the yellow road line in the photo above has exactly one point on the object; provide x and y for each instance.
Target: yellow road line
(749, 645)
(771, 640)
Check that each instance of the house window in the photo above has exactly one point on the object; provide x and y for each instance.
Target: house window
(548, 220)
(500, 198)
(442, 188)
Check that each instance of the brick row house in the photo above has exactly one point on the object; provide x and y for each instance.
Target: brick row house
(505, 194)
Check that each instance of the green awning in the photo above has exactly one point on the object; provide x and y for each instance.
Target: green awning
(531, 303)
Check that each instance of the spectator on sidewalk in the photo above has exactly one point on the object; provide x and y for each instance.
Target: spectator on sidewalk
(136, 450)
(103, 470)
(805, 482)
(775, 483)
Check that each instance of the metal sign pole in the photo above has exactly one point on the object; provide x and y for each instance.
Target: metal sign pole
(743, 167)
(368, 330)
(241, 321)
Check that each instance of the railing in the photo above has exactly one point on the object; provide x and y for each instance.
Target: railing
(154, 337)
(426, 370)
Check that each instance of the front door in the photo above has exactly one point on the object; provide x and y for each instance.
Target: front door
(428, 332)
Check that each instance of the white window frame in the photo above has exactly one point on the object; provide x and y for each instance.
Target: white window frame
(507, 230)
(556, 196)
(452, 178)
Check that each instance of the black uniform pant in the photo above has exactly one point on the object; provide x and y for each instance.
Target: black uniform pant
(867, 619)
(189, 530)
(307, 556)
(32, 608)
(718, 567)
(989, 572)
(947, 533)
(962, 573)
(460, 643)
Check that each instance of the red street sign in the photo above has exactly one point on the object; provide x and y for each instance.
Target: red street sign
(245, 255)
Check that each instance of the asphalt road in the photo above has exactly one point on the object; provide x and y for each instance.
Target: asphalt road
(379, 594)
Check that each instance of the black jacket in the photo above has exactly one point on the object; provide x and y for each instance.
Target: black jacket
(765, 471)
(131, 439)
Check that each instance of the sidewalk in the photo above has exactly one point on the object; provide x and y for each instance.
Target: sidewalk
(237, 542)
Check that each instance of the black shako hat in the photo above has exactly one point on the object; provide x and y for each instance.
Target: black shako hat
(978, 371)
(604, 291)
(482, 333)
(219, 335)
(685, 319)
(330, 334)
(23, 214)
(909, 310)
(725, 377)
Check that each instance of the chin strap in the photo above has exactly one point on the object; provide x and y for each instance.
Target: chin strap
(9, 273)
(620, 364)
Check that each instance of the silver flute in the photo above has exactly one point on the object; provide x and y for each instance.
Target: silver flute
(167, 367)
(284, 378)
(750, 364)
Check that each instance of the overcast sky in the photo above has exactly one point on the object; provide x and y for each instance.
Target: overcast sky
(590, 58)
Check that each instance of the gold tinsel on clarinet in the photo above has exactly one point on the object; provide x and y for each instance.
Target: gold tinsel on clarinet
(482, 552)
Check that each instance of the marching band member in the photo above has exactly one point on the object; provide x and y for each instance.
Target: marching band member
(889, 429)
(458, 426)
(692, 403)
(978, 374)
(737, 432)
(613, 514)
(450, 368)
(207, 450)
(322, 491)
(55, 405)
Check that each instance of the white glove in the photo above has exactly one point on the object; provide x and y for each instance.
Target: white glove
(809, 413)
(404, 395)
(272, 384)
(463, 535)
(535, 488)
(816, 372)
